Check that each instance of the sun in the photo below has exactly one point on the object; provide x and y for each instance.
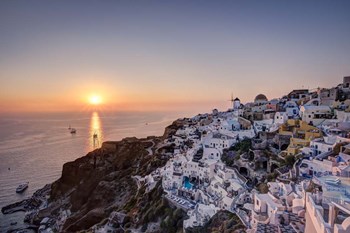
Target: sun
(95, 100)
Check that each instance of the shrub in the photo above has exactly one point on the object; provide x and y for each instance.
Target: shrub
(263, 188)
(289, 160)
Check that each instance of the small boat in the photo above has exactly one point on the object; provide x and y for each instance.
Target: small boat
(73, 131)
(95, 135)
(22, 187)
(69, 127)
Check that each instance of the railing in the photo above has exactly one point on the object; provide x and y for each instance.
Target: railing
(242, 215)
(337, 200)
(261, 217)
(239, 175)
(330, 188)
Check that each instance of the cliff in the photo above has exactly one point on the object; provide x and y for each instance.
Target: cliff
(223, 221)
(171, 129)
(101, 183)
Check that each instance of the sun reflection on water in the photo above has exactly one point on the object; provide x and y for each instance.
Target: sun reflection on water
(96, 131)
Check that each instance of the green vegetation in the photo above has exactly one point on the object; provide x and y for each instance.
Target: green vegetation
(236, 150)
(289, 160)
(152, 207)
(272, 176)
(263, 188)
(242, 146)
(223, 221)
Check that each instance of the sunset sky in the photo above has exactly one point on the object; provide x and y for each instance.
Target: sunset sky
(167, 55)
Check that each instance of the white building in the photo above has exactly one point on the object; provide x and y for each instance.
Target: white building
(324, 217)
(315, 114)
(267, 209)
(218, 141)
(281, 118)
(263, 125)
(342, 116)
(320, 145)
(291, 108)
(237, 104)
(230, 125)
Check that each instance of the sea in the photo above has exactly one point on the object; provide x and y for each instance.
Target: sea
(34, 146)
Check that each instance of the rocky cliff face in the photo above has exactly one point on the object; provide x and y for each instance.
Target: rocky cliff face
(223, 221)
(101, 182)
(171, 129)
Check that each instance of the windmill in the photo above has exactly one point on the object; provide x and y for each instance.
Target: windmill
(231, 100)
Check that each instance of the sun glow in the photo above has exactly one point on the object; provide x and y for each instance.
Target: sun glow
(95, 100)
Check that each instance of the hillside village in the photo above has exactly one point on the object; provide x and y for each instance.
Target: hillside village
(280, 165)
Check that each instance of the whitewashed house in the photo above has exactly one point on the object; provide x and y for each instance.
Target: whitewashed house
(315, 115)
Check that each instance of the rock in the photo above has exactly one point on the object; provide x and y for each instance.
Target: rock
(171, 129)
(222, 221)
(25, 205)
(97, 184)
(86, 221)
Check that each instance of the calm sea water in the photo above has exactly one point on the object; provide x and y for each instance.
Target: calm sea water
(33, 147)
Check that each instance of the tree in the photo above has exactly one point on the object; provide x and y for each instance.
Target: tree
(290, 160)
(263, 188)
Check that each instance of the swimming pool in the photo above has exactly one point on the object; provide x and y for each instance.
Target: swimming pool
(187, 183)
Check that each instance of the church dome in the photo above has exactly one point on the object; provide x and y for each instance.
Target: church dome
(260, 97)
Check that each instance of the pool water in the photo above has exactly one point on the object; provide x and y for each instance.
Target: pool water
(187, 183)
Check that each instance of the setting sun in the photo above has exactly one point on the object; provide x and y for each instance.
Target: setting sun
(95, 100)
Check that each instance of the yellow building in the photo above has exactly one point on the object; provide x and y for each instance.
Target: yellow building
(301, 134)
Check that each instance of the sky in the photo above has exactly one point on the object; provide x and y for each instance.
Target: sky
(167, 55)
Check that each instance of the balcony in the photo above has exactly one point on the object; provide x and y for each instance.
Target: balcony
(260, 217)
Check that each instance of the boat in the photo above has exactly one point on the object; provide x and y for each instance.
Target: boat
(73, 130)
(95, 135)
(336, 181)
(22, 187)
